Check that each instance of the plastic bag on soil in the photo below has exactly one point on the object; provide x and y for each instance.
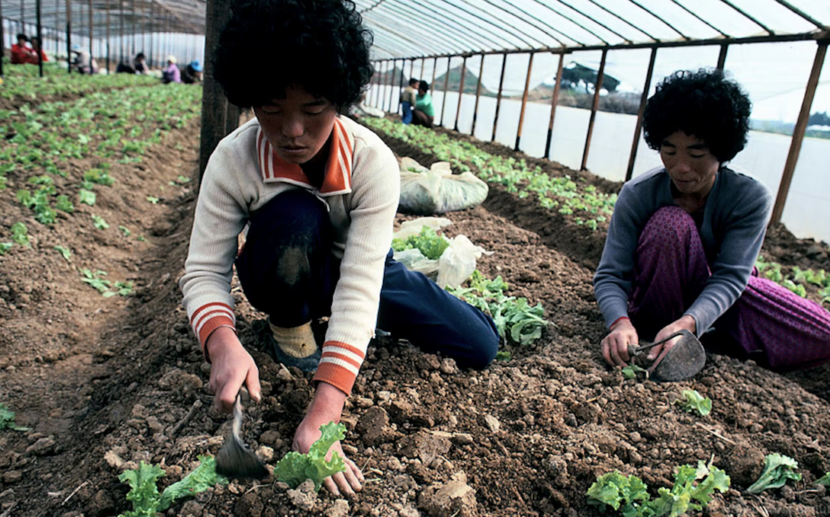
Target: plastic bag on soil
(456, 263)
(436, 190)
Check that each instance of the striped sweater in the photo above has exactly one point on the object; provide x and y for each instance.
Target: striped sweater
(361, 188)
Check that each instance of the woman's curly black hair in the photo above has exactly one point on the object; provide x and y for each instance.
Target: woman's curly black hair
(270, 45)
(703, 103)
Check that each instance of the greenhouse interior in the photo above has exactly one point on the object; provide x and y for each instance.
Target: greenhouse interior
(594, 280)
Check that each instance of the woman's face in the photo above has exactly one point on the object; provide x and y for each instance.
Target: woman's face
(691, 166)
(298, 125)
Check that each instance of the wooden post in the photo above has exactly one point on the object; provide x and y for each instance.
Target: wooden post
(642, 109)
(381, 88)
(421, 75)
(594, 107)
(68, 37)
(524, 104)
(152, 33)
(392, 83)
(108, 39)
(498, 97)
(553, 102)
(135, 29)
(478, 94)
(722, 55)
(798, 133)
(460, 92)
(214, 102)
(91, 36)
(57, 31)
(121, 28)
(39, 39)
(400, 87)
(411, 67)
(2, 38)
(434, 70)
(446, 84)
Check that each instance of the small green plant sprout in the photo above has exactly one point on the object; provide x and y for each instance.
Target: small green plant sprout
(144, 493)
(152, 199)
(631, 371)
(98, 177)
(86, 197)
(65, 253)
(7, 420)
(503, 355)
(121, 289)
(428, 242)
(20, 234)
(141, 238)
(95, 280)
(824, 480)
(777, 470)
(5, 246)
(182, 179)
(63, 203)
(694, 401)
(99, 222)
(692, 490)
(126, 231)
(294, 468)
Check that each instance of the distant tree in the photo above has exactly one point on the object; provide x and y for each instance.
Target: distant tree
(819, 119)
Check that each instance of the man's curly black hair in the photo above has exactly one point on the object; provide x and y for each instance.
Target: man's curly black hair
(270, 45)
(703, 103)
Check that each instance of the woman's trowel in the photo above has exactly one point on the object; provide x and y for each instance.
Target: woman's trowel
(236, 460)
(684, 360)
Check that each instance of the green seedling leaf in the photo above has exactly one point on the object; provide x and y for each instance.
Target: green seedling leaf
(124, 288)
(86, 197)
(99, 222)
(20, 234)
(95, 280)
(152, 199)
(5, 246)
(631, 371)
(294, 468)
(503, 355)
(7, 420)
(428, 242)
(824, 480)
(144, 493)
(777, 470)
(202, 478)
(125, 230)
(141, 238)
(694, 401)
(63, 203)
(65, 253)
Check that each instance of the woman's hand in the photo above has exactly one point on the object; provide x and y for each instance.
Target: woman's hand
(326, 407)
(615, 344)
(231, 366)
(657, 353)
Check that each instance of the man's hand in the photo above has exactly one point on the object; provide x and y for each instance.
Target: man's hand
(232, 366)
(659, 352)
(615, 344)
(326, 407)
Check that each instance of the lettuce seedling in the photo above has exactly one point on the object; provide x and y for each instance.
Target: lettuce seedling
(294, 468)
(7, 420)
(144, 493)
(824, 480)
(777, 470)
(65, 253)
(5, 246)
(694, 401)
(20, 234)
(428, 242)
(630, 495)
(99, 222)
(631, 371)
(86, 196)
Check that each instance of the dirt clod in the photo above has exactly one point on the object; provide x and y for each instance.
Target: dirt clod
(453, 498)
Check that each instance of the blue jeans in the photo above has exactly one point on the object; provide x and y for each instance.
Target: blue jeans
(287, 270)
(406, 115)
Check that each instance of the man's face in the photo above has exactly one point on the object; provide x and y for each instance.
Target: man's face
(298, 125)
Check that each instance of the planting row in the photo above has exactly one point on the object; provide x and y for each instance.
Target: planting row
(584, 203)
(59, 154)
(21, 82)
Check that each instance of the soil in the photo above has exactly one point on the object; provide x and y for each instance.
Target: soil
(104, 383)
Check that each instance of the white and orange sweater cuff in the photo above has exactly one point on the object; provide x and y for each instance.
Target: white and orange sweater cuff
(210, 317)
(339, 365)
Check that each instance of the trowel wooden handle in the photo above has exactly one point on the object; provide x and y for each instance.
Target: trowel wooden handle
(637, 350)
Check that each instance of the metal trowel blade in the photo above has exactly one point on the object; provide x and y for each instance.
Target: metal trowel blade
(236, 460)
(683, 361)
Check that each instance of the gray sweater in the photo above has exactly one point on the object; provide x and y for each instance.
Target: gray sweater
(734, 223)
